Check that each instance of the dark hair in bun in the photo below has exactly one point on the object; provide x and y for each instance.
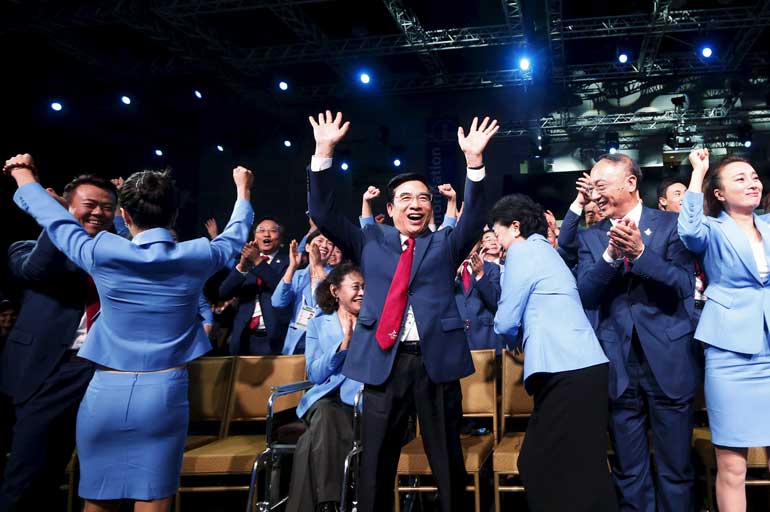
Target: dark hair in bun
(151, 198)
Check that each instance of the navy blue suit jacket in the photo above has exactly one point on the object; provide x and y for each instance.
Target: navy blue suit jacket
(478, 308)
(377, 250)
(52, 306)
(245, 288)
(651, 298)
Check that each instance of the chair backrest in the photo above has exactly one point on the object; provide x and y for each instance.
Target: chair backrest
(480, 388)
(253, 378)
(210, 383)
(516, 402)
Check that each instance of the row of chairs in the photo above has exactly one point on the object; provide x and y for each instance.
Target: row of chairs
(229, 393)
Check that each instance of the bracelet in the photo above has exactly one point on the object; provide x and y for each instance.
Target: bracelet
(10, 167)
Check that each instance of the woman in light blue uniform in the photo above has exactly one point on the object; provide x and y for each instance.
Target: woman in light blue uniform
(132, 422)
(563, 461)
(734, 244)
(296, 290)
(326, 408)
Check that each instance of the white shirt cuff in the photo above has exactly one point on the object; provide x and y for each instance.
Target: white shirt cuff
(606, 257)
(577, 210)
(477, 174)
(318, 164)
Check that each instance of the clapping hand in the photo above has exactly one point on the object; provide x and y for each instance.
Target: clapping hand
(295, 258)
(477, 263)
(250, 256)
(476, 141)
(328, 131)
(626, 239)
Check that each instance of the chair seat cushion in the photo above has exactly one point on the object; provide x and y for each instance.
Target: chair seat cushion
(506, 457)
(234, 454)
(414, 460)
(756, 458)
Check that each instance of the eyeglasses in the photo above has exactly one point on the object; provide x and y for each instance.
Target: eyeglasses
(407, 198)
(355, 287)
(267, 230)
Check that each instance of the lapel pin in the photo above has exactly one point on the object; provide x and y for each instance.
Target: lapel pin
(648, 231)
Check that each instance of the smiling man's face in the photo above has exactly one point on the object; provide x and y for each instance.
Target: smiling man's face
(411, 208)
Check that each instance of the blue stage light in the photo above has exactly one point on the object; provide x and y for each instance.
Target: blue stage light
(125, 100)
(56, 106)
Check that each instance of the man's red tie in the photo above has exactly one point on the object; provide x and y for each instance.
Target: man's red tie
(395, 301)
(627, 264)
(259, 279)
(466, 276)
(92, 303)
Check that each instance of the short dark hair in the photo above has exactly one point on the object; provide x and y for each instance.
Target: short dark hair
(395, 181)
(151, 198)
(713, 181)
(522, 208)
(89, 179)
(667, 182)
(269, 217)
(323, 294)
(620, 158)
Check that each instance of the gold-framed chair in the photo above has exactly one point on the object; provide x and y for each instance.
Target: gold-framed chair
(252, 383)
(516, 403)
(479, 401)
(209, 388)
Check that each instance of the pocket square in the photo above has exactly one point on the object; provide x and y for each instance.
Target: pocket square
(648, 231)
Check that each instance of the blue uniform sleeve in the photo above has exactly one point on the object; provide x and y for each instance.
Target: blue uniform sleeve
(321, 364)
(692, 224)
(448, 222)
(204, 310)
(518, 284)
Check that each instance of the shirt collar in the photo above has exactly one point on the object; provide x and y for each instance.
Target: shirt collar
(270, 256)
(634, 215)
(151, 236)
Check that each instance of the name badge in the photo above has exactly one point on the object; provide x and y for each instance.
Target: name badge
(306, 313)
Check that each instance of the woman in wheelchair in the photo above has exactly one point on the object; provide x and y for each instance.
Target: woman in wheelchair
(327, 408)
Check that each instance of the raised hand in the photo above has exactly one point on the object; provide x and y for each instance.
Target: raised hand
(22, 168)
(328, 131)
(348, 322)
(243, 179)
(447, 191)
(474, 143)
(371, 193)
(118, 182)
(211, 228)
(477, 263)
(583, 186)
(699, 159)
(249, 256)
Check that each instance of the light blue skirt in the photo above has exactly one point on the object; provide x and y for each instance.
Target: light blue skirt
(131, 430)
(738, 397)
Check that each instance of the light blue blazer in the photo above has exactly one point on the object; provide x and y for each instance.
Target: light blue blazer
(324, 362)
(540, 297)
(737, 313)
(292, 295)
(148, 287)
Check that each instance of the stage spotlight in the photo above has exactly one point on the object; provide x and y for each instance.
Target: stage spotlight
(396, 162)
(623, 57)
(744, 134)
(283, 86)
(612, 142)
(198, 94)
(706, 52)
(524, 64)
(56, 106)
(364, 78)
(344, 166)
(158, 152)
(125, 100)
(287, 143)
(541, 147)
(220, 148)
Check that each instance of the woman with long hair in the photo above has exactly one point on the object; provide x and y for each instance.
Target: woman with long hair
(132, 422)
(733, 243)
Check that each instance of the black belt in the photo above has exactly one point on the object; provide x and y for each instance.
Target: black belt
(410, 347)
(699, 304)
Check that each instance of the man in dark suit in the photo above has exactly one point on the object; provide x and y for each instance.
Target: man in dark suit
(634, 269)
(39, 367)
(409, 345)
(477, 291)
(258, 327)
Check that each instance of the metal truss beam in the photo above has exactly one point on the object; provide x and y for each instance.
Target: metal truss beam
(187, 8)
(512, 13)
(415, 34)
(748, 36)
(555, 39)
(648, 50)
(500, 35)
(584, 77)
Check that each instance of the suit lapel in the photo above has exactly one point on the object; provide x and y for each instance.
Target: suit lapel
(648, 222)
(420, 247)
(764, 230)
(740, 242)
